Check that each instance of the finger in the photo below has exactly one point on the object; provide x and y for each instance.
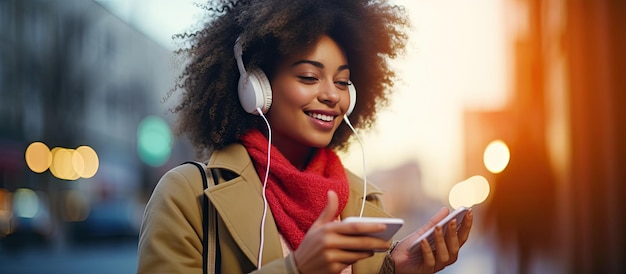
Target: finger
(452, 240)
(330, 211)
(359, 228)
(442, 255)
(428, 258)
(357, 236)
(360, 243)
(463, 232)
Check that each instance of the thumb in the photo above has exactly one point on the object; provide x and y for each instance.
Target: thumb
(330, 211)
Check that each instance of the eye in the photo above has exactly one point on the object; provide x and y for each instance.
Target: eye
(342, 84)
(308, 79)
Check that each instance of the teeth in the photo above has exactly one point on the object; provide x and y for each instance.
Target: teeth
(322, 117)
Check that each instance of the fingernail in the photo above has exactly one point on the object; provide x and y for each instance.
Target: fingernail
(470, 213)
(453, 224)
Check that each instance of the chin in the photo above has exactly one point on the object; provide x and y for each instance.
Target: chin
(319, 143)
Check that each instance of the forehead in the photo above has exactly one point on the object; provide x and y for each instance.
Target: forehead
(325, 51)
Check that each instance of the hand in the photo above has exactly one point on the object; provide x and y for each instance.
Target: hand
(330, 246)
(447, 248)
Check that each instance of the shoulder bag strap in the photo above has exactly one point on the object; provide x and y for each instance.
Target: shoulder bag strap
(210, 232)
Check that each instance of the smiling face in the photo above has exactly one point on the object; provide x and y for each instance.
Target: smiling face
(309, 98)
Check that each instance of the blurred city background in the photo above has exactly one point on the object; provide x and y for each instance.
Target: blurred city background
(510, 106)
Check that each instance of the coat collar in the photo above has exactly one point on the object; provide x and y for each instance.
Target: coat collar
(240, 204)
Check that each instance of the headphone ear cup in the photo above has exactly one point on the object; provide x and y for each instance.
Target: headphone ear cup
(352, 93)
(255, 91)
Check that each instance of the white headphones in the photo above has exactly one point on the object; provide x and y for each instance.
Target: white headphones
(255, 91)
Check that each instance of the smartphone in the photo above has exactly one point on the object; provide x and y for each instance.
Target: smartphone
(457, 214)
(393, 225)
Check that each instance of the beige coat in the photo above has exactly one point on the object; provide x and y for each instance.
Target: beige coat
(171, 233)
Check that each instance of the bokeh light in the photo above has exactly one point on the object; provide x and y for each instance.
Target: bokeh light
(6, 213)
(154, 139)
(38, 157)
(64, 163)
(26, 203)
(75, 206)
(496, 156)
(472, 191)
(5, 204)
(85, 161)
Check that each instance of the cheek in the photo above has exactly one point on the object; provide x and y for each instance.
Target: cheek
(291, 96)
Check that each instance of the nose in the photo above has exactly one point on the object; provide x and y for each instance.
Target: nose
(329, 93)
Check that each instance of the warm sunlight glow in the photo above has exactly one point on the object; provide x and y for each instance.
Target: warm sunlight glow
(449, 66)
(496, 156)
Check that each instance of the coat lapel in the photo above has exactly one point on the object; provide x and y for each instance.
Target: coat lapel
(353, 207)
(240, 205)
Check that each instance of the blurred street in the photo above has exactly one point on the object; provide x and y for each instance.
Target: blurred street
(512, 106)
(115, 257)
(120, 256)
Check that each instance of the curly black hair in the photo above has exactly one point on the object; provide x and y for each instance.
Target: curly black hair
(210, 115)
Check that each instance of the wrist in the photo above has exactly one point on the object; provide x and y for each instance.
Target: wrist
(393, 247)
(389, 265)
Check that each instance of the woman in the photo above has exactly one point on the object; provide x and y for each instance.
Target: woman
(299, 63)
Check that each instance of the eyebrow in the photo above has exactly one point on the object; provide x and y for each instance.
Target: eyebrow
(317, 64)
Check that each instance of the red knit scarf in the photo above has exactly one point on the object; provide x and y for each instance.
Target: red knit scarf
(296, 197)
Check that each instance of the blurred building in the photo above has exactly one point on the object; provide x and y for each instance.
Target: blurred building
(559, 205)
(403, 196)
(73, 74)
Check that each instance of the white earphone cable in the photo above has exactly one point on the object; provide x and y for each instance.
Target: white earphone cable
(345, 118)
(267, 173)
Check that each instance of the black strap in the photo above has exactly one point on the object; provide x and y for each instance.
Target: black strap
(205, 218)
